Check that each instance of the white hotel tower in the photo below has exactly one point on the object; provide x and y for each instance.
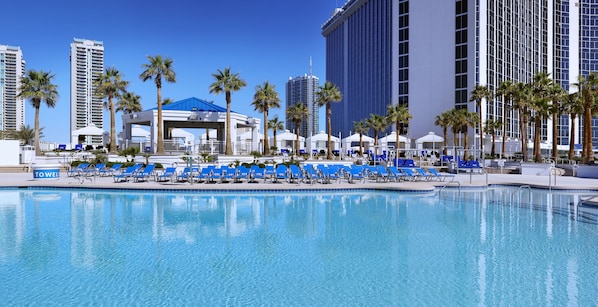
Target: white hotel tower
(12, 69)
(87, 62)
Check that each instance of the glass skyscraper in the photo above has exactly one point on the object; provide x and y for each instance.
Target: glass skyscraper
(303, 89)
(429, 55)
(12, 69)
(87, 62)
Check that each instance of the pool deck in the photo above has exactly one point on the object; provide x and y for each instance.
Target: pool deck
(24, 179)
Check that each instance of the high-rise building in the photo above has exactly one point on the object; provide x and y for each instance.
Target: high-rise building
(303, 89)
(87, 62)
(429, 55)
(12, 69)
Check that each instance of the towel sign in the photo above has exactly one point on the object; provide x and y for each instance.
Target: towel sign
(46, 173)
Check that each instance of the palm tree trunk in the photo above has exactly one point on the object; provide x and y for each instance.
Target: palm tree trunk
(572, 138)
(480, 133)
(465, 145)
(112, 147)
(38, 152)
(297, 125)
(360, 145)
(329, 127)
(444, 142)
(588, 133)
(504, 127)
(397, 137)
(555, 153)
(537, 149)
(228, 145)
(160, 149)
(492, 152)
(266, 141)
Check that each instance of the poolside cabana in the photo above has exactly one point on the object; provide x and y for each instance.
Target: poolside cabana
(429, 141)
(79, 136)
(192, 113)
(287, 140)
(319, 142)
(352, 142)
(390, 140)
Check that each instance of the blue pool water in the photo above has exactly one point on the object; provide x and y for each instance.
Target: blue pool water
(499, 246)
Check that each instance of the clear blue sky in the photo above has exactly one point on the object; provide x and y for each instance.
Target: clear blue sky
(261, 40)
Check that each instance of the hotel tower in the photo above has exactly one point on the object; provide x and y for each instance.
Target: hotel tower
(429, 55)
(303, 89)
(87, 62)
(12, 69)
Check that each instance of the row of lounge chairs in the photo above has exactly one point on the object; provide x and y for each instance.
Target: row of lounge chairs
(307, 173)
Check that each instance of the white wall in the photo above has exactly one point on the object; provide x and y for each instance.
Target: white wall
(9, 155)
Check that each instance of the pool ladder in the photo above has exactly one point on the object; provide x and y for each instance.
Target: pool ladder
(450, 182)
(518, 191)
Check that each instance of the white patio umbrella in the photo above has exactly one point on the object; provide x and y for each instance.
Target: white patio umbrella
(92, 130)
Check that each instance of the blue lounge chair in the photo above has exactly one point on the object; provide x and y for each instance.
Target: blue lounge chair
(115, 169)
(77, 170)
(187, 174)
(312, 174)
(269, 173)
(256, 173)
(296, 174)
(439, 176)
(329, 173)
(127, 173)
(394, 173)
(281, 173)
(241, 173)
(167, 175)
(145, 174)
(356, 172)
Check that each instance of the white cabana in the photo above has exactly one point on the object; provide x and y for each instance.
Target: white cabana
(352, 142)
(91, 130)
(432, 140)
(246, 136)
(389, 140)
(318, 142)
(287, 140)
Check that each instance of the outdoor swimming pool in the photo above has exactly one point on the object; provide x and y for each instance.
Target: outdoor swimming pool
(354, 247)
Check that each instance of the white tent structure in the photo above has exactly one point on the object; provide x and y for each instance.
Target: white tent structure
(352, 142)
(389, 140)
(287, 140)
(318, 142)
(91, 130)
(246, 136)
(138, 132)
(432, 141)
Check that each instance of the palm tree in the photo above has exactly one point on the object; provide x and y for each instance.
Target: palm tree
(156, 69)
(456, 122)
(110, 85)
(479, 93)
(264, 99)
(505, 89)
(167, 100)
(325, 95)
(37, 86)
(26, 134)
(400, 116)
(557, 95)
(443, 120)
(297, 113)
(276, 125)
(227, 82)
(574, 106)
(521, 102)
(541, 107)
(588, 87)
(490, 127)
(377, 123)
(360, 127)
(129, 102)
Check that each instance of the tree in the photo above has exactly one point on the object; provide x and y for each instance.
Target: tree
(400, 116)
(264, 99)
(37, 86)
(573, 106)
(541, 107)
(360, 127)
(521, 102)
(557, 94)
(505, 89)
(227, 82)
(167, 100)
(297, 113)
(377, 123)
(479, 93)
(110, 85)
(276, 125)
(26, 134)
(156, 69)
(325, 95)
(588, 87)
(443, 120)
(129, 102)
(490, 127)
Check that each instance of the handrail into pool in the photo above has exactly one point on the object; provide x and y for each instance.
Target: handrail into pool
(447, 183)
(529, 189)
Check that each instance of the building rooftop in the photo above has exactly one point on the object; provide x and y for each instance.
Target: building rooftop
(192, 104)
